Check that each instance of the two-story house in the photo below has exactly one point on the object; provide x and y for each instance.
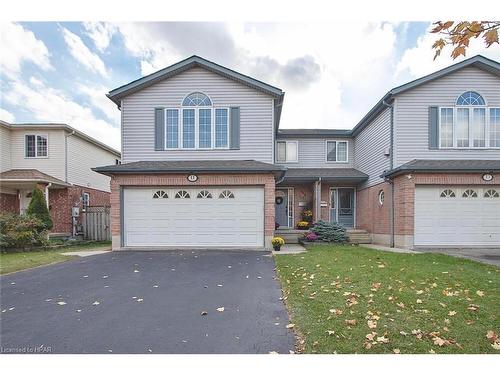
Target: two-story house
(205, 163)
(58, 159)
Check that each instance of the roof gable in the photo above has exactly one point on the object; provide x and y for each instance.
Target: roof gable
(194, 61)
(477, 61)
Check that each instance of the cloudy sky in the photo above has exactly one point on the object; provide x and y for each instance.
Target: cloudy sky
(60, 72)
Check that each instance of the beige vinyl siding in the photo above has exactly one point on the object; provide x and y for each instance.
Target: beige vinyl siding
(52, 165)
(411, 114)
(312, 153)
(5, 160)
(84, 155)
(370, 146)
(256, 117)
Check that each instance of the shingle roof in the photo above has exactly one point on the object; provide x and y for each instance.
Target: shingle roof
(312, 174)
(200, 166)
(419, 165)
(30, 175)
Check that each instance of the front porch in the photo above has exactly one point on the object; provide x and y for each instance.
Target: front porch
(327, 194)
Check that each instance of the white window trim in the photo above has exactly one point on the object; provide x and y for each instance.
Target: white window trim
(36, 145)
(286, 161)
(471, 139)
(197, 129)
(336, 151)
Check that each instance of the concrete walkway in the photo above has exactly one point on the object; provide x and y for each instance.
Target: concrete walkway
(291, 248)
(86, 253)
(391, 249)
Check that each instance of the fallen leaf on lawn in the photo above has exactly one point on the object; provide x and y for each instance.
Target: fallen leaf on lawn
(432, 352)
(418, 333)
(401, 304)
(376, 286)
(473, 307)
(452, 313)
(330, 333)
(480, 293)
(491, 335)
(351, 322)
(496, 345)
(381, 266)
(382, 339)
(290, 326)
(372, 324)
(371, 336)
(204, 313)
(440, 341)
(420, 291)
(220, 309)
(335, 311)
(403, 333)
(367, 345)
(396, 351)
(442, 304)
(419, 301)
(61, 303)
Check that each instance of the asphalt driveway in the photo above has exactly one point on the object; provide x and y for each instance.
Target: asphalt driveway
(147, 302)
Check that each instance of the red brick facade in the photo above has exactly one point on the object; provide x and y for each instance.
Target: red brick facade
(370, 214)
(9, 203)
(60, 203)
(264, 179)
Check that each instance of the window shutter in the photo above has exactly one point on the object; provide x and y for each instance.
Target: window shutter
(433, 128)
(234, 142)
(159, 129)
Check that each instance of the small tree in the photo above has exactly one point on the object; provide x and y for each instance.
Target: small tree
(38, 208)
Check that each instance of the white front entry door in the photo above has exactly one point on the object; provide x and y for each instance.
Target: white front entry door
(211, 217)
(457, 216)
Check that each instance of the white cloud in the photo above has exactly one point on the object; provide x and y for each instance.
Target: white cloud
(343, 81)
(100, 33)
(51, 105)
(83, 54)
(6, 115)
(99, 99)
(418, 61)
(20, 45)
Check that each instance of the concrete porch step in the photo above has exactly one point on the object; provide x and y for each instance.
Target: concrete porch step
(290, 235)
(359, 236)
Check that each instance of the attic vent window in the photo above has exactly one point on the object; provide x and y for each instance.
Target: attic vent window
(470, 98)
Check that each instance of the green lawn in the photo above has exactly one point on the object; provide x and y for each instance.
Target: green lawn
(407, 303)
(12, 262)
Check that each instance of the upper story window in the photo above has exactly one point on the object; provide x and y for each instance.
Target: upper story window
(469, 124)
(36, 146)
(287, 151)
(197, 124)
(336, 151)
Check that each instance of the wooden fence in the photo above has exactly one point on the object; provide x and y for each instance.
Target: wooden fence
(96, 223)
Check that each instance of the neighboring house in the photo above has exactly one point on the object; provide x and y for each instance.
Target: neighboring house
(58, 159)
(206, 165)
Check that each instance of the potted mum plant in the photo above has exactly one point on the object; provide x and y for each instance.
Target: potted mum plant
(277, 242)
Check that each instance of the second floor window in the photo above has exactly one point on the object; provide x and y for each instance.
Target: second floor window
(197, 125)
(470, 124)
(287, 152)
(36, 146)
(336, 151)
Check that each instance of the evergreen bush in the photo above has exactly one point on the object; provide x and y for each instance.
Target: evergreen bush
(330, 232)
(38, 209)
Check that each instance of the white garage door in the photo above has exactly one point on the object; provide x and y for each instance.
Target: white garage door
(194, 217)
(457, 216)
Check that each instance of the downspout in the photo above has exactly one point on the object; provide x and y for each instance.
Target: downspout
(318, 199)
(66, 155)
(47, 193)
(391, 166)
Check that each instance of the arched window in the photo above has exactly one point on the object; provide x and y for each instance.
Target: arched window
(470, 98)
(204, 194)
(226, 194)
(447, 193)
(182, 194)
(491, 193)
(469, 193)
(196, 99)
(160, 194)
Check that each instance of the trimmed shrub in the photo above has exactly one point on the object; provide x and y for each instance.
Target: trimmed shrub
(330, 232)
(311, 236)
(38, 208)
(21, 232)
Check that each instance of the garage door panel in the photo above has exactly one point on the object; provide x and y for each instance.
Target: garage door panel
(458, 220)
(196, 222)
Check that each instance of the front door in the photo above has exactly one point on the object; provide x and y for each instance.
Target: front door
(342, 206)
(281, 207)
(25, 199)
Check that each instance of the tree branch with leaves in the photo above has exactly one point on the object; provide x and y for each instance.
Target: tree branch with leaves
(458, 35)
